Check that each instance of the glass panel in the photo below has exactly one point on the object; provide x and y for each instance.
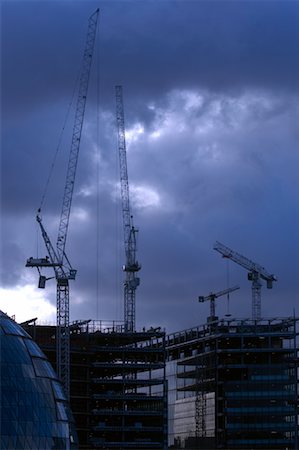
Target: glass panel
(61, 411)
(14, 351)
(33, 348)
(58, 392)
(32, 416)
(12, 328)
(43, 368)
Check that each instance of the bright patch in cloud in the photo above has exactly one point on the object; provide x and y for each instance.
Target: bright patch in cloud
(171, 119)
(214, 110)
(145, 197)
(86, 191)
(132, 134)
(155, 134)
(26, 302)
(80, 214)
(192, 100)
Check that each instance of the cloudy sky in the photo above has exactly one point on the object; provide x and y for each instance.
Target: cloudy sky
(211, 111)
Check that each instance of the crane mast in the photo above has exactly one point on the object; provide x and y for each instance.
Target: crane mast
(132, 266)
(255, 273)
(201, 394)
(57, 258)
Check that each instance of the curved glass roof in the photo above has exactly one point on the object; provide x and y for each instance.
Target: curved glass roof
(34, 411)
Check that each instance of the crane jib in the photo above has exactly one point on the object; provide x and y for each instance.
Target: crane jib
(255, 273)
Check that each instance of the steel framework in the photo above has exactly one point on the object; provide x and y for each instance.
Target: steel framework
(255, 273)
(132, 266)
(57, 258)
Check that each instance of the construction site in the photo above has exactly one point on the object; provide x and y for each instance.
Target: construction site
(236, 385)
(226, 383)
(118, 387)
(229, 383)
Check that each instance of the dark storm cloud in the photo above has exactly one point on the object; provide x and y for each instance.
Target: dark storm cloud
(148, 46)
(211, 108)
(223, 45)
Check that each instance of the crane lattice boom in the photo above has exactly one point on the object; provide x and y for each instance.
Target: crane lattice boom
(256, 272)
(76, 136)
(244, 262)
(131, 266)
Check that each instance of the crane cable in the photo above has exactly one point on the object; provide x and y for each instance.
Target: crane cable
(228, 284)
(59, 144)
(98, 180)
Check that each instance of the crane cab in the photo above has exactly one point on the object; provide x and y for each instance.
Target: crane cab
(40, 262)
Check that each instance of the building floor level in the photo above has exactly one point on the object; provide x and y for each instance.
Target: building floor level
(240, 380)
(116, 401)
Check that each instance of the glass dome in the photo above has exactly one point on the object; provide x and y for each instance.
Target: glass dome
(34, 412)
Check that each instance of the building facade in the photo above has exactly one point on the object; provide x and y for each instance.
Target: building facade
(231, 384)
(239, 378)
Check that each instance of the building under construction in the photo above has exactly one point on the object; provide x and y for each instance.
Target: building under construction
(116, 400)
(233, 384)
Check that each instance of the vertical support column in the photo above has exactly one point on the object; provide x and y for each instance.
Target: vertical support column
(256, 296)
(63, 335)
(165, 396)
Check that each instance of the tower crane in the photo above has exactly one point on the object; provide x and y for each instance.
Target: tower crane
(201, 368)
(255, 273)
(56, 258)
(132, 266)
(212, 297)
